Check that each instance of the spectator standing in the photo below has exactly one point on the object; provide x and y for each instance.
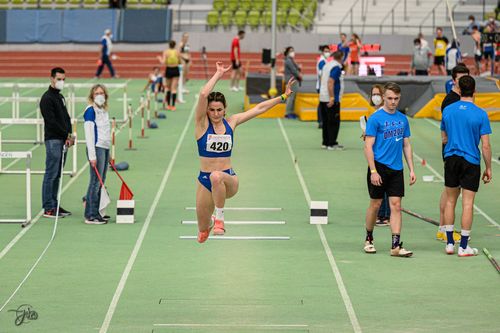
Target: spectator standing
(330, 94)
(292, 70)
(472, 24)
(236, 60)
(453, 56)
(186, 60)
(423, 41)
(463, 127)
(440, 44)
(57, 135)
(322, 60)
(98, 140)
(354, 49)
(105, 54)
(478, 53)
(421, 59)
(343, 46)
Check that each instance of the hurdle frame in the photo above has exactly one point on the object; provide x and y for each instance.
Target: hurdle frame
(27, 155)
(30, 121)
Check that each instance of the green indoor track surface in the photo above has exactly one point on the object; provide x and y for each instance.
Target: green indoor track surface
(141, 277)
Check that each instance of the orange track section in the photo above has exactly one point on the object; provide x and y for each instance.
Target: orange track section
(139, 64)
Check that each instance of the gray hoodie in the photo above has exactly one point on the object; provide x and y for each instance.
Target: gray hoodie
(421, 59)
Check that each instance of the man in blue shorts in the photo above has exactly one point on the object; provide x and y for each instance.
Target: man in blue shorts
(463, 126)
(387, 138)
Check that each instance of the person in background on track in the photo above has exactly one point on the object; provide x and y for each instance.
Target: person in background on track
(155, 81)
(478, 50)
(376, 100)
(463, 127)
(387, 139)
(98, 140)
(322, 60)
(452, 97)
(236, 60)
(344, 47)
(217, 181)
(330, 95)
(105, 54)
(292, 70)
(354, 50)
(171, 58)
(453, 56)
(440, 44)
(421, 59)
(186, 60)
(58, 133)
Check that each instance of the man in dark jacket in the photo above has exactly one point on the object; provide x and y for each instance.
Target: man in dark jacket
(57, 135)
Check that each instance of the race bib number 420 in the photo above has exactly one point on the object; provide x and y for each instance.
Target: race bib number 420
(219, 143)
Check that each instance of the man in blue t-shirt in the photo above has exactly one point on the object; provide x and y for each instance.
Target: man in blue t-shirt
(463, 126)
(387, 138)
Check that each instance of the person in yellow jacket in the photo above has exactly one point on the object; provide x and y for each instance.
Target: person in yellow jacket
(440, 45)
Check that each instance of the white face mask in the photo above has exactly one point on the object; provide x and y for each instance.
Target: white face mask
(99, 100)
(59, 85)
(327, 54)
(292, 54)
(377, 100)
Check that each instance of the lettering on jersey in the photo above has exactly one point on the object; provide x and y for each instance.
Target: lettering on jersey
(219, 143)
(393, 129)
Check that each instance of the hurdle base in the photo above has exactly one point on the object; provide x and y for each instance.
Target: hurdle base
(131, 148)
(142, 137)
(125, 211)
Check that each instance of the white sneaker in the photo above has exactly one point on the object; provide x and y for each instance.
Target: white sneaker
(468, 252)
(323, 147)
(369, 247)
(234, 89)
(400, 251)
(450, 248)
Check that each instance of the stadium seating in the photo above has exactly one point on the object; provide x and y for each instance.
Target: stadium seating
(257, 13)
(85, 4)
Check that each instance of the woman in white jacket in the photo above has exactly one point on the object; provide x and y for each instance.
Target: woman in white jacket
(98, 139)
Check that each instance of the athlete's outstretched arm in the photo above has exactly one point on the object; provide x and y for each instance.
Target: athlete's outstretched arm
(201, 108)
(262, 107)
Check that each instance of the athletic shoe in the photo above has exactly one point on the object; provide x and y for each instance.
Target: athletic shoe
(95, 220)
(450, 248)
(338, 147)
(219, 228)
(330, 148)
(468, 252)
(382, 222)
(106, 217)
(323, 147)
(234, 89)
(64, 212)
(400, 251)
(442, 236)
(173, 108)
(369, 247)
(51, 213)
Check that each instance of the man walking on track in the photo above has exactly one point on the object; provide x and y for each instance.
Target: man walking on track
(387, 138)
(463, 126)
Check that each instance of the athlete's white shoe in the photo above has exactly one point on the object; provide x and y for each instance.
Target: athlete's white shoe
(450, 248)
(369, 247)
(468, 252)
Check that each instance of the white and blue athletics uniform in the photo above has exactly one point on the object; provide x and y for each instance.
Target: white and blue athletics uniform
(389, 131)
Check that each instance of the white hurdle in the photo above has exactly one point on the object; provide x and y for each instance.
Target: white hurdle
(27, 156)
(71, 99)
(8, 121)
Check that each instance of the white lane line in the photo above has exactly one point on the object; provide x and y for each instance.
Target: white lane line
(435, 124)
(336, 272)
(246, 208)
(144, 229)
(234, 325)
(239, 237)
(241, 222)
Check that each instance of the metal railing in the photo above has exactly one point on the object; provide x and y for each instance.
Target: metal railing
(350, 13)
(391, 14)
(432, 13)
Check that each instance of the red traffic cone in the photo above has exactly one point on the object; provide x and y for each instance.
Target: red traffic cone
(424, 163)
